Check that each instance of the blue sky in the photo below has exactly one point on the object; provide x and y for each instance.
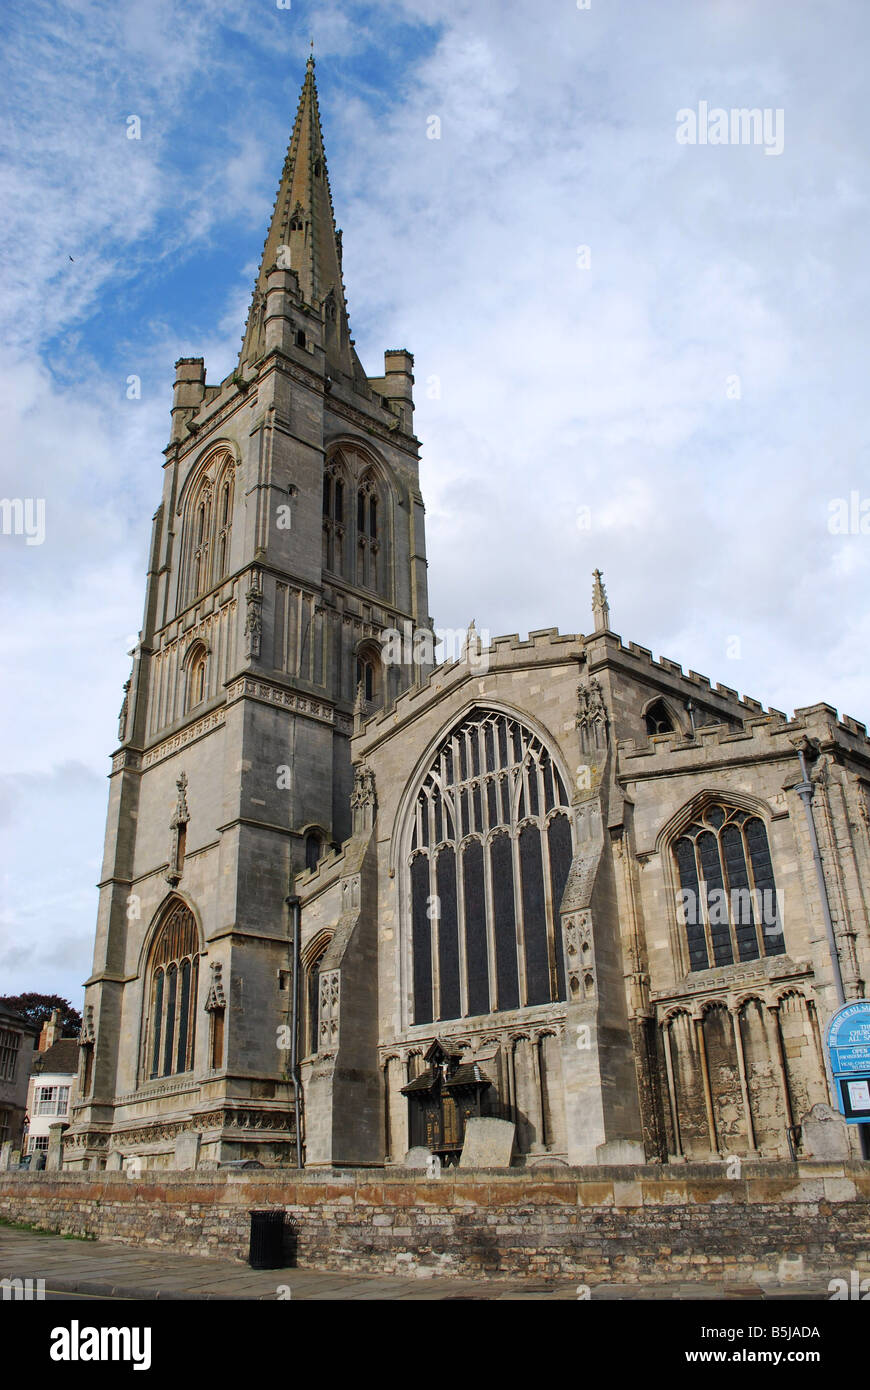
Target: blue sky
(560, 387)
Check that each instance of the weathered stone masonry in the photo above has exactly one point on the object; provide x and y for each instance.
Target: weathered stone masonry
(595, 1224)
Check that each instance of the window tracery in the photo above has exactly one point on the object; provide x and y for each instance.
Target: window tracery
(208, 527)
(490, 851)
(728, 901)
(172, 981)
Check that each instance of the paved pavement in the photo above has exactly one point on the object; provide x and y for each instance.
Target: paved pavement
(108, 1269)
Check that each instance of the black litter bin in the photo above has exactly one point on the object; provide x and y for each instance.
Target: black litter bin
(267, 1239)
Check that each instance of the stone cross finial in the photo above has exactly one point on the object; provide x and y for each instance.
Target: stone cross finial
(600, 606)
(182, 814)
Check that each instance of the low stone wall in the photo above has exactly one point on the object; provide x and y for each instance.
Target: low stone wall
(594, 1224)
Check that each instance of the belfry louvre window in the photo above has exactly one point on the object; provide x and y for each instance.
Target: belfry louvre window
(727, 901)
(173, 978)
(491, 848)
(208, 527)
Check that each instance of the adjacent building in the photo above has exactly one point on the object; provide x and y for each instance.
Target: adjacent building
(52, 1087)
(17, 1038)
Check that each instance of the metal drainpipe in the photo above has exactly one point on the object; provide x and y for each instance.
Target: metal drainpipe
(805, 791)
(293, 903)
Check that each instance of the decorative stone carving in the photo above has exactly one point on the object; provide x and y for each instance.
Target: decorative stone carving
(215, 999)
(254, 618)
(579, 956)
(363, 801)
(600, 606)
(350, 893)
(122, 717)
(591, 718)
(179, 821)
(330, 993)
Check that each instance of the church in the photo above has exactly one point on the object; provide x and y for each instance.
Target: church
(352, 899)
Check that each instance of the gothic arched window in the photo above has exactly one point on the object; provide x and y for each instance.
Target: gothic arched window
(208, 521)
(728, 900)
(658, 719)
(172, 980)
(313, 849)
(367, 676)
(491, 847)
(197, 685)
(224, 523)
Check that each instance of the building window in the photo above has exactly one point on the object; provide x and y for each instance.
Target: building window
(313, 849)
(208, 527)
(5, 1125)
(367, 676)
(172, 986)
(37, 1143)
(490, 851)
(728, 901)
(197, 686)
(658, 719)
(225, 524)
(52, 1100)
(10, 1042)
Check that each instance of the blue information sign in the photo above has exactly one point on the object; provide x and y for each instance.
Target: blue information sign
(848, 1040)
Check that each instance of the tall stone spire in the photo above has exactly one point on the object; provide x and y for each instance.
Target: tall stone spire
(600, 606)
(302, 237)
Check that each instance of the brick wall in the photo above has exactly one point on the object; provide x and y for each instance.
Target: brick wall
(601, 1224)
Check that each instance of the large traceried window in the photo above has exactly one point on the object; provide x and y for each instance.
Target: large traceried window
(172, 983)
(728, 902)
(491, 847)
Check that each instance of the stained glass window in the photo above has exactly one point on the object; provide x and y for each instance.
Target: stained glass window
(728, 903)
(490, 852)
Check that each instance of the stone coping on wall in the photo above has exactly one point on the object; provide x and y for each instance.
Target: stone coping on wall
(807, 1180)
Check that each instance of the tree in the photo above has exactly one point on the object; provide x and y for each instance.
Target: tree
(38, 1008)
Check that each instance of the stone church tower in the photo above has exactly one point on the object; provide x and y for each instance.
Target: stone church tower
(351, 901)
(289, 535)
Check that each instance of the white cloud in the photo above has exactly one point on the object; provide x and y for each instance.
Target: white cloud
(560, 387)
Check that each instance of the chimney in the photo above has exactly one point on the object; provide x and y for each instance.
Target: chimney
(51, 1031)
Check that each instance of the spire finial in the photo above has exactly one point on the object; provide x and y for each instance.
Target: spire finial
(472, 642)
(302, 238)
(600, 606)
(309, 66)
